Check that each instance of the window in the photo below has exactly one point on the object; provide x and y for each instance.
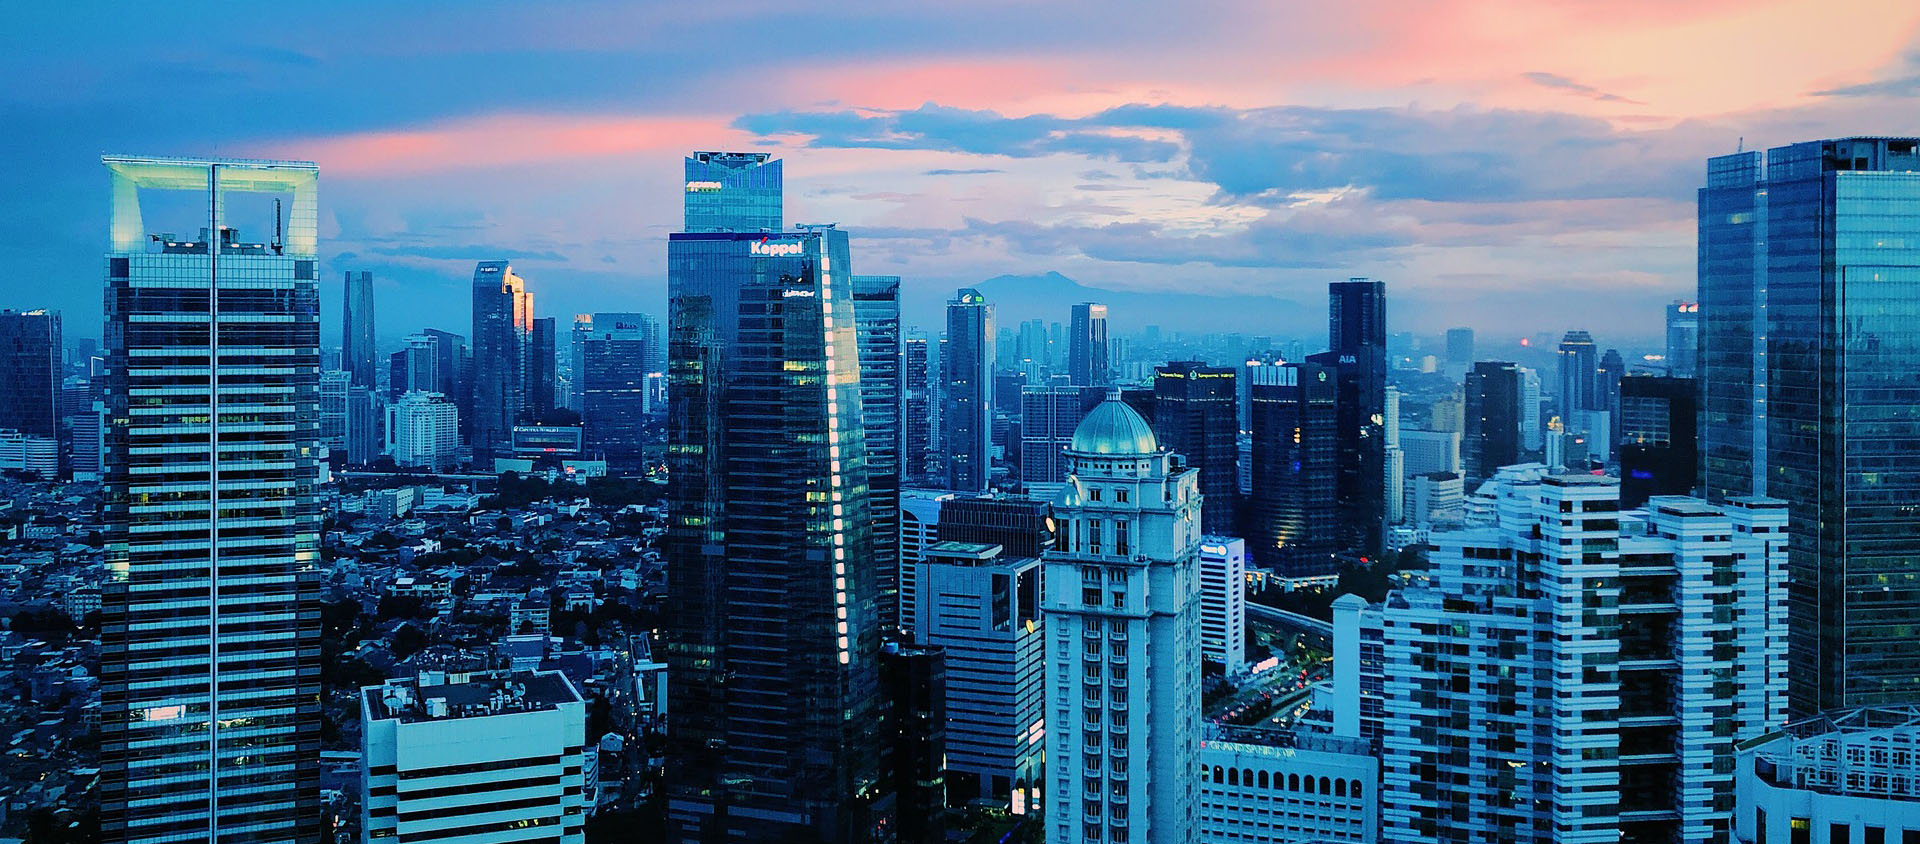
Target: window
(1120, 495)
(1094, 529)
(1122, 537)
(1800, 831)
(1093, 493)
(1874, 835)
(1840, 833)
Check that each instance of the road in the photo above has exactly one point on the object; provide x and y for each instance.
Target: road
(1292, 620)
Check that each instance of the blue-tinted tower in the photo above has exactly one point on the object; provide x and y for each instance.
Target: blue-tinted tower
(733, 192)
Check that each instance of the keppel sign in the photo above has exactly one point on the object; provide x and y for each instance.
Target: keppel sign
(775, 249)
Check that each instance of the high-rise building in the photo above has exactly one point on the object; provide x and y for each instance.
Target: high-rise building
(1393, 472)
(502, 355)
(1223, 601)
(1606, 381)
(423, 429)
(1664, 630)
(770, 549)
(920, 511)
(1659, 446)
(1683, 338)
(1267, 786)
(1810, 263)
(1532, 413)
(1357, 359)
(334, 385)
(1578, 360)
(1460, 346)
(1292, 512)
(1049, 414)
(432, 361)
(542, 378)
(1430, 451)
(1087, 363)
(1122, 610)
(366, 433)
(210, 637)
(876, 314)
(982, 608)
(913, 681)
(918, 423)
(733, 192)
(30, 368)
(1021, 526)
(1494, 410)
(611, 353)
(356, 328)
(497, 756)
(1195, 414)
(966, 369)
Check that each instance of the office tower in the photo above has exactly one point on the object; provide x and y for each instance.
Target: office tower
(982, 608)
(1393, 471)
(1031, 350)
(1826, 245)
(334, 385)
(1357, 360)
(1532, 413)
(920, 511)
(1022, 527)
(917, 425)
(30, 370)
(1276, 786)
(39, 456)
(1683, 338)
(966, 368)
(86, 442)
(876, 314)
(1662, 629)
(1659, 443)
(1460, 346)
(540, 388)
(1049, 414)
(423, 430)
(1195, 408)
(1831, 780)
(913, 729)
(770, 550)
(611, 351)
(431, 361)
(1122, 609)
(1087, 363)
(366, 434)
(1430, 451)
(1434, 500)
(1606, 381)
(495, 756)
(1223, 601)
(210, 638)
(1578, 359)
(1450, 413)
(733, 192)
(502, 356)
(356, 328)
(1292, 512)
(1494, 422)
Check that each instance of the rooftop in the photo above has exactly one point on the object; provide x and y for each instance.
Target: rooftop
(501, 693)
(1113, 428)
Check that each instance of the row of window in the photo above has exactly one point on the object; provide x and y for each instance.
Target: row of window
(1335, 786)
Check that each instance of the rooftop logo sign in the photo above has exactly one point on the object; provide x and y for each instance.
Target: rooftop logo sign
(775, 249)
(704, 187)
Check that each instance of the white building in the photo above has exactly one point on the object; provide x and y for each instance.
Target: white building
(334, 385)
(1280, 787)
(423, 429)
(919, 528)
(474, 759)
(1572, 673)
(1122, 609)
(1393, 463)
(26, 453)
(1532, 437)
(983, 609)
(1436, 499)
(1849, 778)
(1223, 601)
(1359, 681)
(1430, 451)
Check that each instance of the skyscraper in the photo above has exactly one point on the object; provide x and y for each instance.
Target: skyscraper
(1659, 446)
(1817, 261)
(356, 328)
(1122, 605)
(918, 426)
(1195, 414)
(210, 640)
(541, 375)
(1460, 346)
(1087, 363)
(1357, 360)
(1578, 360)
(1292, 514)
(502, 355)
(611, 351)
(1493, 432)
(733, 192)
(773, 635)
(966, 369)
(1049, 414)
(876, 314)
(430, 361)
(30, 354)
(1683, 338)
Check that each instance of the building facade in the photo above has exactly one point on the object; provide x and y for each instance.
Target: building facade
(356, 328)
(966, 370)
(1356, 357)
(1493, 415)
(613, 355)
(1196, 415)
(1659, 443)
(733, 192)
(1292, 512)
(1087, 351)
(30, 367)
(1223, 601)
(503, 365)
(1578, 358)
(1838, 779)
(1048, 416)
(1683, 339)
(423, 430)
(876, 312)
(1274, 787)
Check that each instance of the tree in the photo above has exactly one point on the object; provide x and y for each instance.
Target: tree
(408, 640)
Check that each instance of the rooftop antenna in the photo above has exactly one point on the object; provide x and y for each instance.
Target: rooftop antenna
(276, 225)
(1741, 148)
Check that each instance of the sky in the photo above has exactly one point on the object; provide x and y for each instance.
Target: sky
(1514, 166)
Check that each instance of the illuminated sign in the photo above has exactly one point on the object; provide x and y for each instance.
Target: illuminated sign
(775, 249)
(793, 293)
(704, 187)
(1213, 549)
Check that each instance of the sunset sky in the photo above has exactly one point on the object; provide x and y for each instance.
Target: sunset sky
(1516, 166)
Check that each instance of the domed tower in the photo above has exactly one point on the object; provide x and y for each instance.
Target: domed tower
(1123, 656)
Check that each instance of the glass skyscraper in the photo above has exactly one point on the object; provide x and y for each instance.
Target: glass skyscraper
(611, 353)
(733, 192)
(1579, 358)
(1813, 254)
(1494, 409)
(1356, 358)
(210, 639)
(356, 328)
(1087, 363)
(502, 355)
(1195, 412)
(883, 391)
(773, 633)
(30, 355)
(1292, 512)
(966, 368)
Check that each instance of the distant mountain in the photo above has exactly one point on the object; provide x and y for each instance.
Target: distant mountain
(1051, 297)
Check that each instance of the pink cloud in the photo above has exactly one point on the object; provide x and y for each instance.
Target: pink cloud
(504, 140)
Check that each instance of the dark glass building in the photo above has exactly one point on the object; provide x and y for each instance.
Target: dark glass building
(541, 378)
(1494, 410)
(30, 356)
(1195, 412)
(502, 355)
(876, 313)
(1357, 360)
(917, 427)
(1048, 416)
(1292, 514)
(1578, 360)
(773, 633)
(914, 733)
(1834, 298)
(1460, 346)
(966, 369)
(1683, 339)
(611, 357)
(356, 327)
(733, 192)
(1659, 451)
(1023, 527)
(1087, 363)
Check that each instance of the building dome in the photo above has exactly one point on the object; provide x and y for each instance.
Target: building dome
(1114, 428)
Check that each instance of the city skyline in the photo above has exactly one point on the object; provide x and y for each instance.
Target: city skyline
(1134, 178)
